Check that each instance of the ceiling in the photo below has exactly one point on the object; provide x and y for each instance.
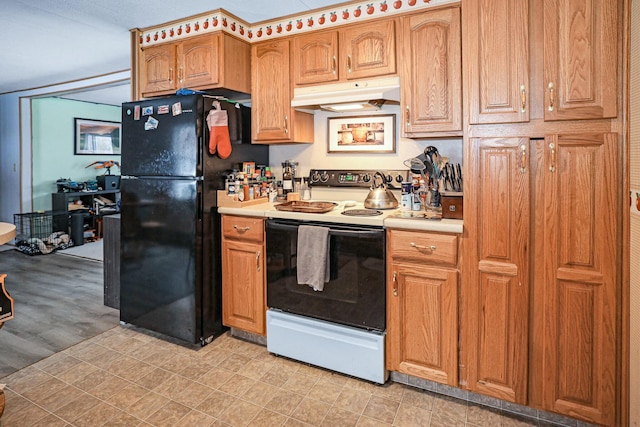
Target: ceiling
(54, 41)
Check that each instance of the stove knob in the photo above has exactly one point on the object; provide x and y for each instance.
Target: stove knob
(399, 178)
(366, 177)
(324, 177)
(389, 179)
(315, 177)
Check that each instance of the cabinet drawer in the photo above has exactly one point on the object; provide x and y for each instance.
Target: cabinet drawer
(423, 247)
(243, 228)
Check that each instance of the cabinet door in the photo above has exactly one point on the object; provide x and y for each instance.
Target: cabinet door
(496, 289)
(580, 57)
(576, 314)
(368, 50)
(315, 58)
(497, 66)
(271, 91)
(243, 302)
(422, 322)
(199, 61)
(158, 69)
(430, 73)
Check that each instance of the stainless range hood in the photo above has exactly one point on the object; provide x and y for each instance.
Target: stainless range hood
(357, 95)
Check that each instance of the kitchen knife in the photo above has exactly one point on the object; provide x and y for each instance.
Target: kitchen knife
(452, 177)
(446, 177)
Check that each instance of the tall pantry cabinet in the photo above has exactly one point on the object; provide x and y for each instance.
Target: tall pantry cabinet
(541, 287)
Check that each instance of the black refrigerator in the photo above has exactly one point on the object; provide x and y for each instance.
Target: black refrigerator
(170, 246)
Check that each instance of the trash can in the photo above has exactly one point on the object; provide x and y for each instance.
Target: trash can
(77, 228)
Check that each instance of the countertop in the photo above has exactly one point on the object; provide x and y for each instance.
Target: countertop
(390, 218)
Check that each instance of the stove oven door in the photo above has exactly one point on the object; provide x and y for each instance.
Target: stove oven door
(355, 294)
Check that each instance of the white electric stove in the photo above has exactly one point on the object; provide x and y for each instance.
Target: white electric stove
(341, 327)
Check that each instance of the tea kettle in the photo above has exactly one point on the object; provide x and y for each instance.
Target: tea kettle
(379, 196)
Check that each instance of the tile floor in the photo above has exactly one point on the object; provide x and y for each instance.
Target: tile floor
(126, 378)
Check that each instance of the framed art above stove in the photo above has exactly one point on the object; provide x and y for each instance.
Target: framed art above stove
(362, 134)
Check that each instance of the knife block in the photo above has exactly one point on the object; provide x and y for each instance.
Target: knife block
(452, 206)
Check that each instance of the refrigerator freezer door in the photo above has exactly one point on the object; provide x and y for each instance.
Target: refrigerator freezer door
(161, 261)
(162, 137)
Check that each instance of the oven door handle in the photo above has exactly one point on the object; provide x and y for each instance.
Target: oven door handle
(332, 231)
(358, 233)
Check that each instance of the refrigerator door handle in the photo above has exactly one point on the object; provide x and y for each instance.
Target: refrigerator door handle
(199, 203)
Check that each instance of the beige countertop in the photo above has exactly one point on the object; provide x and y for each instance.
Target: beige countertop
(390, 218)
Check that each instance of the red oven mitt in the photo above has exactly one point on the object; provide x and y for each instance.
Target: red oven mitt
(219, 140)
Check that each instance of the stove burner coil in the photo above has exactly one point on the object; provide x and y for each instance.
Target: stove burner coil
(361, 212)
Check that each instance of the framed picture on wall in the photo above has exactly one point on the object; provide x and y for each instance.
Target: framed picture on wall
(96, 137)
(362, 134)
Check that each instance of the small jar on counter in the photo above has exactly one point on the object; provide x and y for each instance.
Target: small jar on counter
(406, 199)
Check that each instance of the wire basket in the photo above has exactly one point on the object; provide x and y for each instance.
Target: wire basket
(39, 225)
(41, 232)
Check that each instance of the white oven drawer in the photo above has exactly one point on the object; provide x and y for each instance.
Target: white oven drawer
(352, 351)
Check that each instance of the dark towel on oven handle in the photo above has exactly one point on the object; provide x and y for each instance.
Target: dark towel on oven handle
(313, 256)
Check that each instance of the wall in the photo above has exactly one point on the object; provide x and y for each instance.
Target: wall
(634, 167)
(52, 132)
(316, 156)
(15, 139)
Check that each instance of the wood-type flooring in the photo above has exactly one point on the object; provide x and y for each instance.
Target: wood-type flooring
(58, 303)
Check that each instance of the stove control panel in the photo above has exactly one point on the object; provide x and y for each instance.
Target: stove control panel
(355, 178)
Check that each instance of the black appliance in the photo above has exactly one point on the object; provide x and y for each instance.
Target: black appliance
(355, 293)
(170, 266)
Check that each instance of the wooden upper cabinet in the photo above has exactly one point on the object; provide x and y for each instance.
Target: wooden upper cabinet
(158, 68)
(315, 58)
(272, 118)
(207, 61)
(271, 93)
(497, 61)
(368, 50)
(580, 59)
(198, 61)
(430, 74)
(357, 52)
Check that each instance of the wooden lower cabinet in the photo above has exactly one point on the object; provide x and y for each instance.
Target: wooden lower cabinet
(540, 296)
(496, 286)
(243, 273)
(576, 302)
(422, 301)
